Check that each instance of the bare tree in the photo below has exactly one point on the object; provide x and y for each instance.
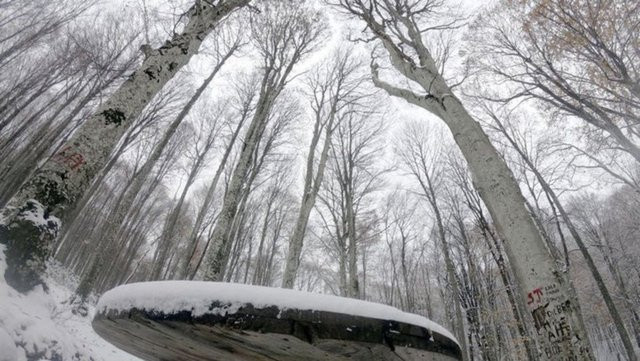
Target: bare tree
(31, 220)
(204, 139)
(402, 233)
(332, 89)
(266, 164)
(459, 176)
(353, 175)
(86, 64)
(245, 103)
(123, 216)
(224, 49)
(401, 27)
(499, 124)
(426, 167)
(609, 224)
(27, 24)
(576, 57)
(283, 34)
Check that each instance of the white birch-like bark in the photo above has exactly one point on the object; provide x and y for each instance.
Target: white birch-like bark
(330, 95)
(554, 308)
(165, 241)
(556, 313)
(591, 265)
(192, 241)
(474, 203)
(283, 36)
(429, 192)
(559, 327)
(117, 217)
(63, 179)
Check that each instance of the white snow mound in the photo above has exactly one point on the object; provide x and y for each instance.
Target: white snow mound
(174, 296)
(41, 326)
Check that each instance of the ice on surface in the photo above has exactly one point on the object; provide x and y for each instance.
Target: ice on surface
(175, 296)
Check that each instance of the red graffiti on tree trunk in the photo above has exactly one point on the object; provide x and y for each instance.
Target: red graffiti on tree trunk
(66, 156)
(537, 292)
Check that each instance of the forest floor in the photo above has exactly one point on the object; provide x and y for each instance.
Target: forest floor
(42, 325)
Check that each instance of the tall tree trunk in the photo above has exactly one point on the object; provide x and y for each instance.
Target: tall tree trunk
(220, 241)
(352, 248)
(266, 281)
(548, 292)
(602, 287)
(287, 33)
(408, 287)
(258, 272)
(117, 216)
(46, 144)
(192, 241)
(310, 192)
(429, 192)
(31, 220)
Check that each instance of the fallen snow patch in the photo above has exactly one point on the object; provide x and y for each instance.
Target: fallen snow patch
(41, 326)
(8, 349)
(175, 296)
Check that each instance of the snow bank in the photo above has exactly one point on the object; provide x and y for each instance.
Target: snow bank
(41, 326)
(174, 296)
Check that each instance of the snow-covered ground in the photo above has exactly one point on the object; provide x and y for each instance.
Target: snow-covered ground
(41, 326)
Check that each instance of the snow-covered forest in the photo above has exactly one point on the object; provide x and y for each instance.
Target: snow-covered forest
(474, 162)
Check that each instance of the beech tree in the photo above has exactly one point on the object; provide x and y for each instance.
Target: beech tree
(401, 28)
(424, 164)
(224, 48)
(242, 103)
(458, 175)
(275, 158)
(332, 89)
(266, 164)
(352, 176)
(574, 56)
(276, 214)
(127, 211)
(402, 232)
(502, 126)
(605, 224)
(31, 219)
(282, 35)
(83, 64)
(204, 139)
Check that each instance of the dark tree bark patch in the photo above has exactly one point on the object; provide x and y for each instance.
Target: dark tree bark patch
(113, 116)
(270, 334)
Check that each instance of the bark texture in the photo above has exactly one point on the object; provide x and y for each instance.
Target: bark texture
(332, 91)
(554, 308)
(284, 34)
(591, 265)
(63, 179)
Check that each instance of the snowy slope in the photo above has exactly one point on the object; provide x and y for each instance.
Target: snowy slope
(41, 326)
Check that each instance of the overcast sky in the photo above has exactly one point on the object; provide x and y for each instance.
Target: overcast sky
(399, 111)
